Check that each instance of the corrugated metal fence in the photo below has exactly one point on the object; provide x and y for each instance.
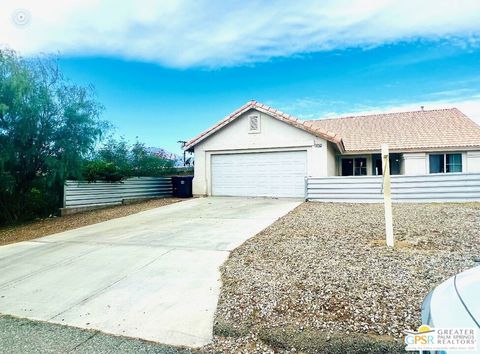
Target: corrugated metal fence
(85, 194)
(462, 187)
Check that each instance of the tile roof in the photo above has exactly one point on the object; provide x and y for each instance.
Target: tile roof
(404, 131)
(298, 123)
(429, 129)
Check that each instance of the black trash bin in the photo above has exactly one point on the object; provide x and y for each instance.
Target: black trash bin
(182, 186)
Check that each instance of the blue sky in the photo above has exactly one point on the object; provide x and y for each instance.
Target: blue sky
(166, 72)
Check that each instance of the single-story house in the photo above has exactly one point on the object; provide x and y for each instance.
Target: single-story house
(260, 151)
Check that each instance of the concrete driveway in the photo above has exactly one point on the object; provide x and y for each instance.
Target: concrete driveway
(153, 275)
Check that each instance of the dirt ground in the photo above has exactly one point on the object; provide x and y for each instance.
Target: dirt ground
(321, 279)
(44, 227)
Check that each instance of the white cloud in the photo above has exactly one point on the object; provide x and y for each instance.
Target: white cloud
(469, 106)
(184, 33)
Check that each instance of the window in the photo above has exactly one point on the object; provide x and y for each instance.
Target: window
(254, 122)
(354, 166)
(453, 163)
(445, 163)
(437, 163)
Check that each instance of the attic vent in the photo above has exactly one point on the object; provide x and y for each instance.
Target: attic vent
(254, 124)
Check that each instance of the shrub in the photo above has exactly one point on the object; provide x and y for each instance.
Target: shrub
(116, 160)
(102, 171)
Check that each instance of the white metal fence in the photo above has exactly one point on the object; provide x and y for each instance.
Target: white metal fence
(84, 194)
(455, 187)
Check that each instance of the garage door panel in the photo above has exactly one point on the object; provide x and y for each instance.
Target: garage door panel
(273, 174)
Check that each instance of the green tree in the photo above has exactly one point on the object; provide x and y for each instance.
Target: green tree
(116, 160)
(116, 152)
(110, 162)
(147, 164)
(47, 126)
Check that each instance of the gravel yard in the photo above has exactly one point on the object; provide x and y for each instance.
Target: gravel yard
(321, 279)
(39, 228)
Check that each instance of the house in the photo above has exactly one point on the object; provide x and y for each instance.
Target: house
(260, 151)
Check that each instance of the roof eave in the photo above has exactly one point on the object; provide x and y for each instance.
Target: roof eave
(416, 149)
(205, 134)
(295, 122)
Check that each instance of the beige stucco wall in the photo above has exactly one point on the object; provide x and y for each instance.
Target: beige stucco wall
(274, 135)
(415, 163)
(331, 160)
(473, 161)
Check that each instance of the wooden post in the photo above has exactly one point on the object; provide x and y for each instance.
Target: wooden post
(387, 195)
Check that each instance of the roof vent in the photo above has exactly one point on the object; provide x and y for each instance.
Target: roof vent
(254, 123)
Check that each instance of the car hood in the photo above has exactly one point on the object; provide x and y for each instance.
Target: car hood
(454, 303)
(467, 285)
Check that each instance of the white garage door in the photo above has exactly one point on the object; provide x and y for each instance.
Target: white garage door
(269, 174)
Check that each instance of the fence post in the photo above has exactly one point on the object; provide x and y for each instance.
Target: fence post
(306, 189)
(387, 195)
(64, 194)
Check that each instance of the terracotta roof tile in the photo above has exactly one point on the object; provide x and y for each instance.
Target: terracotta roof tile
(430, 129)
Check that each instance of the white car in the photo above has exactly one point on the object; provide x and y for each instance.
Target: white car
(455, 304)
